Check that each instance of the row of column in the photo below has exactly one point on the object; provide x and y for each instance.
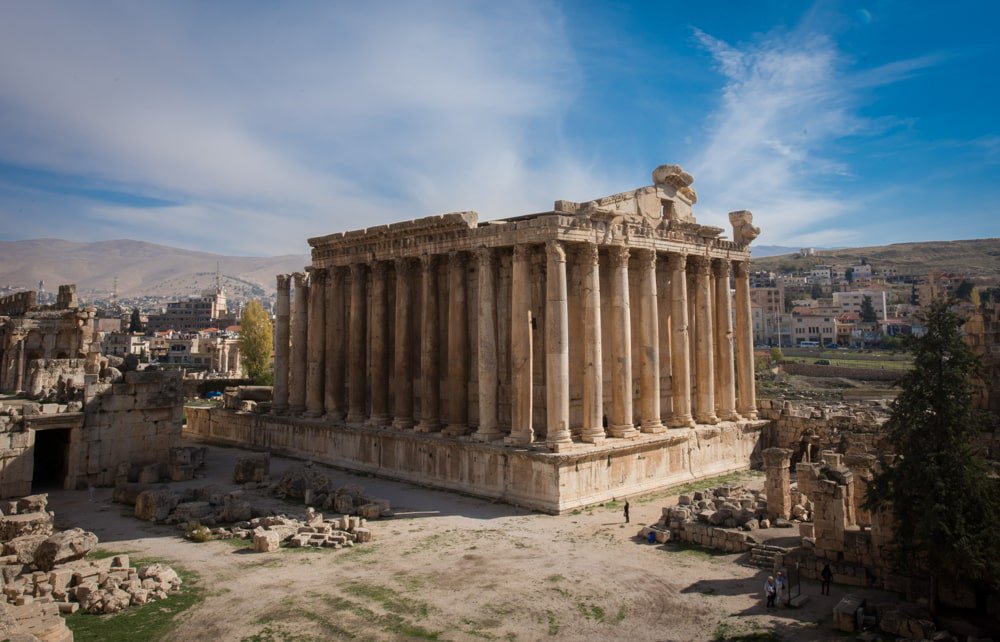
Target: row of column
(310, 379)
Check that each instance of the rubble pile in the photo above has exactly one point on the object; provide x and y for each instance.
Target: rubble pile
(40, 566)
(313, 530)
(315, 489)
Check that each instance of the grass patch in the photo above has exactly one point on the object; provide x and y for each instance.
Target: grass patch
(621, 614)
(389, 599)
(701, 484)
(693, 550)
(726, 632)
(591, 612)
(151, 621)
(103, 554)
(239, 543)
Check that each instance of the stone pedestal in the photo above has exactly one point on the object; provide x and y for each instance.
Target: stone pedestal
(621, 348)
(282, 339)
(430, 394)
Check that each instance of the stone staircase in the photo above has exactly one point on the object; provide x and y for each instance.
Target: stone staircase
(764, 556)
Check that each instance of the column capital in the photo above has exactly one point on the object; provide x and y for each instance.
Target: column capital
(428, 262)
(300, 279)
(721, 268)
(741, 268)
(284, 280)
(647, 258)
(523, 252)
(677, 261)
(486, 256)
(554, 251)
(403, 265)
(619, 256)
(379, 269)
(589, 253)
(456, 258)
(700, 264)
(358, 269)
(316, 274)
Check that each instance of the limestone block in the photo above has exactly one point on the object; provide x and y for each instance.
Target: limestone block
(252, 468)
(24, 547)
(266, 542)
(149, 474)
(12, 526)
(845, 614)
(192, 511)
(236, 509)
(155, 505)
(64, 547)
(362, 535)
(127, 492)
(908, 621)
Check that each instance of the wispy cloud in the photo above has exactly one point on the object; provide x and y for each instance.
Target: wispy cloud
(787, 98)
(285, 122)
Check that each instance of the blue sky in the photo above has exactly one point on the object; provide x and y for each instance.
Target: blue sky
(247, 127)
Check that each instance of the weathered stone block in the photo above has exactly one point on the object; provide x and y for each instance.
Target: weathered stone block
(64, 547)
(266, 542)
(252, 468)
(155, 505)
(845, 614)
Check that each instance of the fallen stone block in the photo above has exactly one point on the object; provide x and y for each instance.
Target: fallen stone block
(64, 547)
(266, 542)
(846, 614)
(155, 505)
(30, 523)
(252, 468)
(24, 547)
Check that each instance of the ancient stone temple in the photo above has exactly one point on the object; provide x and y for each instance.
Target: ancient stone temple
(602, 332)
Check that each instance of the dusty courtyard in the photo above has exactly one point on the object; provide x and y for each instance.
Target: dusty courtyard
(451, 567)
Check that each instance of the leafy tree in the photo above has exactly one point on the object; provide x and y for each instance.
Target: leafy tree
(849, 274)
(816, 292)
(868, 314)
(256, 342)
(974, 298)
(964, 291)
(943, 501)
(135, 322)
(777, 356)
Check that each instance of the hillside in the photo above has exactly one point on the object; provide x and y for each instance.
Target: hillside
(141, 268)
(975, 258)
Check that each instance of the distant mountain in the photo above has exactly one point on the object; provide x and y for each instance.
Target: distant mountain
(974, 258)
(141, 268)
(761, 251)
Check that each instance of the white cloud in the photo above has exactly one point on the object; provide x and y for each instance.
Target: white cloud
(286, 122)
(786, 98)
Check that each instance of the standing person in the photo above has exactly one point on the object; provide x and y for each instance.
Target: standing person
(781, 585)
(626, 511)
(827, 575)
(771, 591)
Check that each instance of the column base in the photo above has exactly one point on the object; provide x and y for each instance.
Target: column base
(487, 435)
(402, 423)
(312, 414)
(559, 446)
(519, 439)
(706, 419)
(427, 425)
(334, 416)
(624, 431)
(379, 420)
(730, 416)
(682, 421)
(455, 430)
(296, 410)
(356, 418)
(279, 411)
(751, 415)
(593, 435)
(653, 427)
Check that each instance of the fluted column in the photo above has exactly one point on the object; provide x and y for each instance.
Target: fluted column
(746, 403)
(300, 323)
(593, 369)
(649, 360)
(458, 347)
(335, 353)
(556, 350)
(317, 341)
(430, 418)
(358, 329)
(379, 379)
(487, 333)
(680, 359)
(521, 432)
(402, 376)
(704, 355)
(620, 424)
(724, 320)
(282, 339)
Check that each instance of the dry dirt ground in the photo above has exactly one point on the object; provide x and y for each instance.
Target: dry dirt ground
(451, 567)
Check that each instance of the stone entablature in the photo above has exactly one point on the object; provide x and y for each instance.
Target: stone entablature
(604, 319)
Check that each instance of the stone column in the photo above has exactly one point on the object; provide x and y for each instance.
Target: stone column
(487, 332)
(620, 424)
(649, 359)
(297, 373)
(776, 484)
(358, 330)
(430, 398)
(556, 350)
(593, 369)
(317, 343)
(282, 339)
(458, 348)
(379, 379)
(704, 358)
(746, 403)
(335, 335)
(402, 376)
(724, 331)
(521, 432)
(19, 379)
(680, 360)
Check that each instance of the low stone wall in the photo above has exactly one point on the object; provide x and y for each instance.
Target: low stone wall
(865, 374)
(537, 479)
(722, 539)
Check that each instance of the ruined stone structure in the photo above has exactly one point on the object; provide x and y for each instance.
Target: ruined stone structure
(29, 331)
(587, 331)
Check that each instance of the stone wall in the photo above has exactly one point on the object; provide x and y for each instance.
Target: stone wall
(531, 478)
(865, 374)
(844, 427)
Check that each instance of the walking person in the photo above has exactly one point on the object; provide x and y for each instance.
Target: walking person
(827, 575)
(626, 511)
(771, 591)
(781, 585)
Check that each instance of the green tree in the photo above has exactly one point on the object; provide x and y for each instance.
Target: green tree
(943, 501)
(816, 292)
(777, 356)
(868, 314)
(255, 343)
(135, 322)
(964, 291)
(849, 274)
